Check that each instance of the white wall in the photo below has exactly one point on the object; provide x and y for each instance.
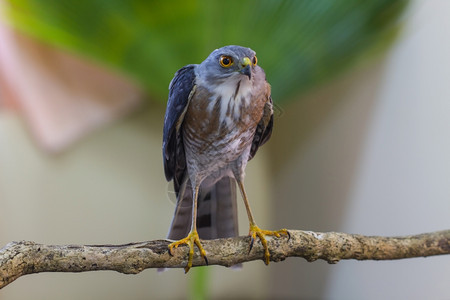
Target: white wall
(370, 154)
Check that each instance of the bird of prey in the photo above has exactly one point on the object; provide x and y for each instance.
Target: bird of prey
(218, 114)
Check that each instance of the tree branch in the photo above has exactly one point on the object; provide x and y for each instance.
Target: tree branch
(21, 258)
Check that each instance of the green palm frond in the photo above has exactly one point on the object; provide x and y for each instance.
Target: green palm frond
(299, 43)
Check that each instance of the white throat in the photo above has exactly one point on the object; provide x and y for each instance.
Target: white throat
(232, 97)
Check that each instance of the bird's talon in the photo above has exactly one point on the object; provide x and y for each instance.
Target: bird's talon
(256, 231)
(190, 240)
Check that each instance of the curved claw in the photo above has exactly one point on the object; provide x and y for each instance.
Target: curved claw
(256, 231)
(251, 244)
(191, 240)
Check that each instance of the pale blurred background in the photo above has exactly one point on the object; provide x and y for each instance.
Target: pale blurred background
(360, 143)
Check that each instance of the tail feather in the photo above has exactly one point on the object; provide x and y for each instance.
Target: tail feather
(216, 212)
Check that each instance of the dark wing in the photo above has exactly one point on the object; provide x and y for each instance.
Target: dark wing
(173, 151)
(264, 128)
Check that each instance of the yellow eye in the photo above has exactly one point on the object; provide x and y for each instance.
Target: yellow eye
(254, 60)
(226, 61)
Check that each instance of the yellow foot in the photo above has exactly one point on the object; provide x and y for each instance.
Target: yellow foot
(190, 240)
(256, 231)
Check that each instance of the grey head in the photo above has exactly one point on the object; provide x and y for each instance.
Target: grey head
(226, 62)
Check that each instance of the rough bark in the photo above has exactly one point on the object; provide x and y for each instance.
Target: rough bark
(21, 258)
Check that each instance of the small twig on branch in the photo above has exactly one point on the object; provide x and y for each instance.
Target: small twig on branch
(21, 258)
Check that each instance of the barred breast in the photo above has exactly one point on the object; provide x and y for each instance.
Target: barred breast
(220, 122)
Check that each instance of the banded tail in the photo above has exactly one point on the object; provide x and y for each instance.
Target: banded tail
(216, 212)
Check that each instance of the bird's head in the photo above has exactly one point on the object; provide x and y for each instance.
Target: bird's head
(229, 61)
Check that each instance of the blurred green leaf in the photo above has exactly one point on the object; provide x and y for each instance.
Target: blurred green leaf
(199, 283)
(299, 43)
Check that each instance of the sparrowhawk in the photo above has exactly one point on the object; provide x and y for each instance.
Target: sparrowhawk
(218, 114)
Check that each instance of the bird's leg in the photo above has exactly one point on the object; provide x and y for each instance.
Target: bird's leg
(255, 230)
(192, 237)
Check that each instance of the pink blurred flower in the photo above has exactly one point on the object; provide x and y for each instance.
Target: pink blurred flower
(62, 97)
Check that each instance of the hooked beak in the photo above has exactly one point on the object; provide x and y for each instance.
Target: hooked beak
(246, 64)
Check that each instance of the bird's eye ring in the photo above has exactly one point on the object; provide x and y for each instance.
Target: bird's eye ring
(254, 60)
(226, 61)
